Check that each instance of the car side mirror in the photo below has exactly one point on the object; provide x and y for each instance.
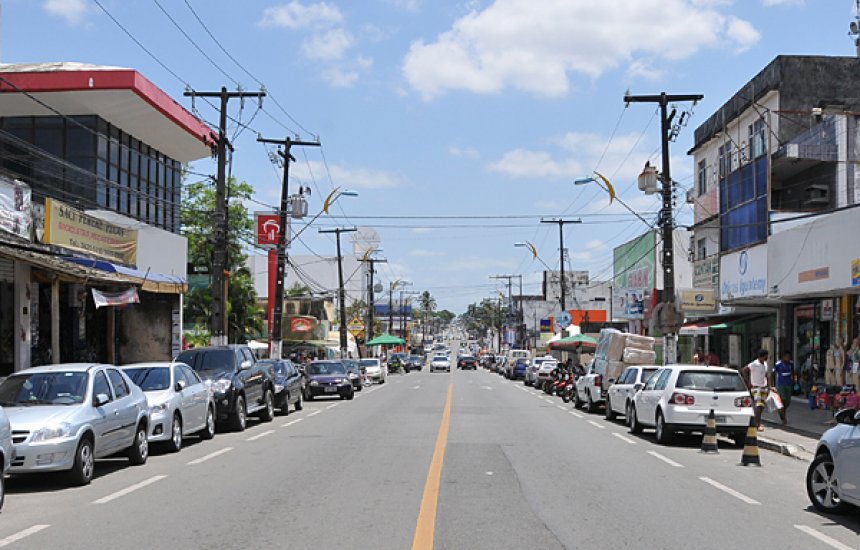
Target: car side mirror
(637, 387)
(611, 380)
(101, 399)
(245, 365)
(180, 385)
(847, 416)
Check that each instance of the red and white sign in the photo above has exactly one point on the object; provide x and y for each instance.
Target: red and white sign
(301, 324)
(268, 228)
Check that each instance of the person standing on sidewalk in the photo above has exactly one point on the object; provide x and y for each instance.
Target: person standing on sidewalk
(756, 376)
(783, 374)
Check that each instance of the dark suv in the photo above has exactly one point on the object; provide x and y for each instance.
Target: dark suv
(239, 385)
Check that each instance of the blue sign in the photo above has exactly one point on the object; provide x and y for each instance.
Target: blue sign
(563, 319)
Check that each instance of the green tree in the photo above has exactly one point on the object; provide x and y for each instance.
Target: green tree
(245, 318)
(428, 304)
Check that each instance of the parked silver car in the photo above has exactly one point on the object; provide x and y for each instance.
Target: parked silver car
(6, 453)
(833, 478)
(65, 416)
(180, 404)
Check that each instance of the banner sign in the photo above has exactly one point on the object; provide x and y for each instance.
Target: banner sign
(15, 214)
(546, 325)
(301, 324)
(855, 272)
(103, 299)
(70, 228)
(268, 226)
(633, 265)
(698, 300)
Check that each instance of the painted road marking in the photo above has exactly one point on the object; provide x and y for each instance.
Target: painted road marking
(291, 422)
(416, 387)
(561, 408)
(624, 438)
(596, 425)
(333, 405)
(314, 413)
(486, 387)
(127, 490)
(15, 537)
(426, 524)
(822, 537)
(665, 459)
(729, 490)
(548, 400)
(203, 459)
(576, 414)
(260, 435)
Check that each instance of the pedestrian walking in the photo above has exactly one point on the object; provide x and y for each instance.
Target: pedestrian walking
(699, 357)
(783, 374)
(756, 375)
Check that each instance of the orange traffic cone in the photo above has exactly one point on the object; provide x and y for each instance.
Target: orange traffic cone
(709, 441)
(750, 456)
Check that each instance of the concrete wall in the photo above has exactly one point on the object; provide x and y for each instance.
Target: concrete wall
(146, 328)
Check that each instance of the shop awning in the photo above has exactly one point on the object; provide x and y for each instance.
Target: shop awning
(42, 258)
(704, 326)
(148, 281)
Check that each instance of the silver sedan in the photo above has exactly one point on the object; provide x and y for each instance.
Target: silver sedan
(180, 403)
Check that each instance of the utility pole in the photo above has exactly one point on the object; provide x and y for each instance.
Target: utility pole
(668, 317)
(341, 296)
(220, 272)
(276, 309)
(368, 333)
(561, 223)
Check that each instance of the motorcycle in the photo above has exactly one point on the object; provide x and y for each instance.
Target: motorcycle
(567, 394)
(562, 384)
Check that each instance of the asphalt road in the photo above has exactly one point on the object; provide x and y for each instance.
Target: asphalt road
(520, 470)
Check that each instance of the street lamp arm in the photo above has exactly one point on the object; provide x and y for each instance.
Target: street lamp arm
(605, 184)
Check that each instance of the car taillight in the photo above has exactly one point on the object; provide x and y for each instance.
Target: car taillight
(682, 399)
(743, 401)
(598, 381)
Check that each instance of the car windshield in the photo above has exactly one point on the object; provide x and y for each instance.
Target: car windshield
(210, 360)
(44, 388)
(325, 368)
(352, 366)
(369, 363)
(710, 381)
(440, 358)
(150, 378)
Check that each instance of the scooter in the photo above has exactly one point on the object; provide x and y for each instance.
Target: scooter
(562, 384)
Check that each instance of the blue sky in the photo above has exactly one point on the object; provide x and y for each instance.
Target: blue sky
(477, 109)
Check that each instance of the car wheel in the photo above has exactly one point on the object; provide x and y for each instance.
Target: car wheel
(2, 490)
(299, 403)
(822, 486)
(85, 464)
(577, 402)
(283, 408)
(139, 450)
(663, 432)
(591, 406)
(350, 396)
(268, 412)
(635, 426)
(239, 419)
(382, 380)
(175, 443)
(610, 413)
(209, 431)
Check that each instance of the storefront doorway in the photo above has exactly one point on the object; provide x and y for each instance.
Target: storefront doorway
(811, 340)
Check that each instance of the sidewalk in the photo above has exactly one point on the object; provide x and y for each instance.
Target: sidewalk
(799, 437)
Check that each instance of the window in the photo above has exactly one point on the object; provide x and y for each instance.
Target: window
(743, 206)
(725, 153)
(663, 379)
(190, 375)
(710, 381)
(100, 386)
(701, 249)
(120, 388)
(757, 138)
(653, 381)
(702, 177)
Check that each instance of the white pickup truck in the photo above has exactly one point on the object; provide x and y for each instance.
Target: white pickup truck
(601, 373)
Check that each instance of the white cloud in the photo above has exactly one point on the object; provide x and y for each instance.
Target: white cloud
(424, 253)
(535, 46)
(338, 77)
(769, 3)
(595, 244)
(296, 15)
(743, 34)
(642, 68)
(523, 163)
(72, 11)
(348, 177)
(327, 45)
(464, 152)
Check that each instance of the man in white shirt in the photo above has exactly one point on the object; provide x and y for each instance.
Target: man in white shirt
(756, 375)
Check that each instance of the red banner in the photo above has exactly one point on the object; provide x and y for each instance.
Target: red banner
(301, 324)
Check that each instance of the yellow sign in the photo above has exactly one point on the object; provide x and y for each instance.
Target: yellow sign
(701, 299)
(355, 326)
(70, 228)
(855, 272)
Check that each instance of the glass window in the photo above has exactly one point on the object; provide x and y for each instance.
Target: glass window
(100, 385)
(663, 379)
(44, 388)
(120, 388)
(150, 378)
(647, 374)
(48, 135)
(651, 382)
(702, 178)
(190, 375)
(710, 381)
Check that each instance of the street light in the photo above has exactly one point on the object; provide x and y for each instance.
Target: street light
(531, 247)
(607, 186)
(394, 284)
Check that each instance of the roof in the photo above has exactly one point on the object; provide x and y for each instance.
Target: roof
(63, 367)
(121, 96)
(151, 365)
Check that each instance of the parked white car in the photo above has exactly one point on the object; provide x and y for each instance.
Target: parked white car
(678, 398)
(180, 404)
(621, 393)
(544, 371)
(833, 477)
(532, 370)
(440, 363)
(373, 369)
(7, 451)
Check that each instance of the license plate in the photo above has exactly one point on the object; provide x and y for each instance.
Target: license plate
(721, 419)
(330, 389)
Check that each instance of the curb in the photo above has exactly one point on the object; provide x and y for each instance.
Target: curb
(784, 448)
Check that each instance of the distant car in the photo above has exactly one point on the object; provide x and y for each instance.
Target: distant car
(621, 393)
(416, 362)
(518, 369)
(289, 385)
(7, 451)
(65, 416)
(531, 376)
(373, 369)
(353, 370)
(440, 363)
(180, 404)
(327, 379)
(467, 362)
(678, 398)
(544, 372)
(397, 361)
(833, 477)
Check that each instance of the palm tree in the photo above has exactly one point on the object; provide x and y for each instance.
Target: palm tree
(428, 305)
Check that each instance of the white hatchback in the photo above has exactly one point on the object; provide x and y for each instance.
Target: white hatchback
(373, 369)
(440, 363)
(621, 393)
(678, 398)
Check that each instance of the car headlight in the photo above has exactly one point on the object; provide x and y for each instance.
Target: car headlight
(353, 376)
(158, 409)
(220, 386)
(279, 388)
(314, 383)
(52, 432)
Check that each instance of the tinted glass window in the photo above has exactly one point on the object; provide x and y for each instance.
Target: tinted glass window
(663, 379)
(100, 385)
(625, 376)
(646, 374)
(211, 360)
(326, 368)
(710, 381)
(651, 382)
(120, 388)
(150, 378)
(190, 375)
(50, 388)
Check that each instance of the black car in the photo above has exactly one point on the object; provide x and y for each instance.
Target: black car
(238, 383)
(353, 370)
(289, 384)
(467, 362)
(327, 378)
(416, 362)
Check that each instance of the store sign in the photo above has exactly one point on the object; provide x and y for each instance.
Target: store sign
(706, 273)
(15, 216)
(546, 325)
(744, 274)
(301, 324)
(698, 300)
(827, 309)
(268, 226)
(70, 228)
(855, 272)
(810, 275)
(563, 319)
(633, 265)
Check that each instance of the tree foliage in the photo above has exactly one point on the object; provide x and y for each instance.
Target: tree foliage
(482, 316)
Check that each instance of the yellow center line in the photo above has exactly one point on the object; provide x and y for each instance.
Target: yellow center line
(426, 525)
